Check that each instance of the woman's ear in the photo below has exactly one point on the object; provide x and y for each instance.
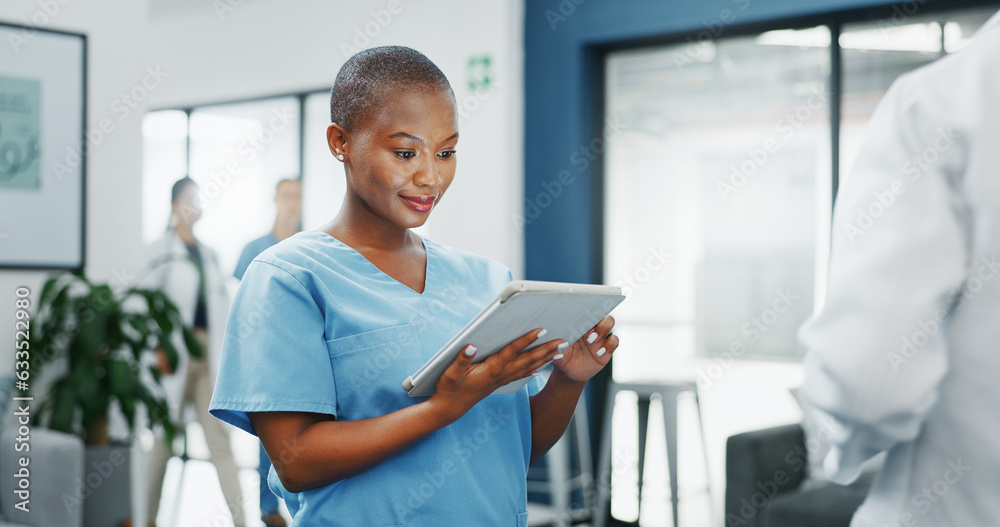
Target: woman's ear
(336, 139)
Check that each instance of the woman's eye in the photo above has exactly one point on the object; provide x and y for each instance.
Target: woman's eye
(405, 154)
(446, 154)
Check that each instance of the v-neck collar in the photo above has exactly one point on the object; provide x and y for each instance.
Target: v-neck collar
(385, 275)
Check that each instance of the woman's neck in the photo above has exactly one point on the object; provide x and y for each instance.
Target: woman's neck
(360, 228)
(186, 234)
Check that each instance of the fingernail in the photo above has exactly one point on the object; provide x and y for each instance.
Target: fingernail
(536, 373)
(601, 351)
(470, 350)
(562, 346)
(541, 333)
(557, 356)
(591, 338)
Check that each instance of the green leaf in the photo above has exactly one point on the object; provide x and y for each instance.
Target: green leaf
(140, 324)
(91, 341)
(168, 347)
(159, 413)
(41, 411)
(121, 376)
(61, 298)
(63, 413)
(128, 408)
(156, 373)
(103, 337)
(48, 290)
(193, 344)
(86, 385)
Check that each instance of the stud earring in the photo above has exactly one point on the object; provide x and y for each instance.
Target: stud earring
(340, 157)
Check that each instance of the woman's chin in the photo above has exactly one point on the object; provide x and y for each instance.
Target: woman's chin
(411, 221)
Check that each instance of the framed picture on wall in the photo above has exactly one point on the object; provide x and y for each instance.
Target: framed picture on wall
(42, 148)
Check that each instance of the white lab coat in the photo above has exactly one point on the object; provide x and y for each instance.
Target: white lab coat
(168, 268)
(899, 360)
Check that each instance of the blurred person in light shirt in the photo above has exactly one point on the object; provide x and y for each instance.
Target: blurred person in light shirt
(903, 355)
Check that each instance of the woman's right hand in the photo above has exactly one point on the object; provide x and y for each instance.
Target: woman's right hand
(464, 384)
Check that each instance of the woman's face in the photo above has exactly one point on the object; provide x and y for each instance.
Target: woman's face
(187, 208)
(401, 159)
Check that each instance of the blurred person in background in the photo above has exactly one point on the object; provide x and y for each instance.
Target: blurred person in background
(903, 355)
(188, 273)
(287, 221)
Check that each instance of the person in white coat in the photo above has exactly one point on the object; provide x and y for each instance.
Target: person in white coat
(189, 273)
(903, 356)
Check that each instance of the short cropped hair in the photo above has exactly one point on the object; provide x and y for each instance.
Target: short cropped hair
(369, 75)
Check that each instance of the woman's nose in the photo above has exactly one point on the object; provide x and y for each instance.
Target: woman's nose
(427, 173)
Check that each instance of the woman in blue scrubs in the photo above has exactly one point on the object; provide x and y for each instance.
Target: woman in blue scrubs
(327, 323)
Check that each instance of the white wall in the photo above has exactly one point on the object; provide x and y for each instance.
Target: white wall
(116, 61)
(266, 47)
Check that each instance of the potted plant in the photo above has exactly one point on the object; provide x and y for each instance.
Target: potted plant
(102, 334)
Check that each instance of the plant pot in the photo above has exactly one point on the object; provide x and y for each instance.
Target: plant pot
(107, 485)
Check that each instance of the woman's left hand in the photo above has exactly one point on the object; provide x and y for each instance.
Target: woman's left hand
(588, 355)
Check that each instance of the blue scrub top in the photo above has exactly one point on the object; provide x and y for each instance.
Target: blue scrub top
(316, 327)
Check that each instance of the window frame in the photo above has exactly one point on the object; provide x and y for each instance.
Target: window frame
(599, 54)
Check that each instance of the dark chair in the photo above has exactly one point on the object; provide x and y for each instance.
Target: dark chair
(765, 472)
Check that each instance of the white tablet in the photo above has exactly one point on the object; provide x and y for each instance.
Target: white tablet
(567, 311)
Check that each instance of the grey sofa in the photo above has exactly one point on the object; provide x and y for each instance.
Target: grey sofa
(56, 479)
(766, 484)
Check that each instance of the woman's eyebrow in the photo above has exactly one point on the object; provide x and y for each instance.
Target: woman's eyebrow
(418, 139)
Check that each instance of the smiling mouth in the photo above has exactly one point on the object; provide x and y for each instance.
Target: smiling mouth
(420, 203)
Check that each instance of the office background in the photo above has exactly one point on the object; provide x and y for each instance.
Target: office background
(595, 135)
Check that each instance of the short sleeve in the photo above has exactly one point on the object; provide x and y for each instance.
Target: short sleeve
(274, 354)
(535, 385)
